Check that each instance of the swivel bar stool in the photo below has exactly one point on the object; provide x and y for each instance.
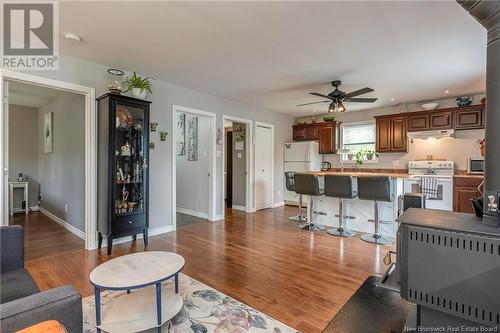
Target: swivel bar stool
(290, 186)
(309, 185)
(375, 188)
(341, 187)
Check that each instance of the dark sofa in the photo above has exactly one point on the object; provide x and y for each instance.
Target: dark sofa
(21, 303)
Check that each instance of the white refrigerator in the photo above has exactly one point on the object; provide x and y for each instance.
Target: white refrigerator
(300, 156)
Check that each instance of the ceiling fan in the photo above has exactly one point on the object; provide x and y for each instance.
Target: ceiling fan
(337, 98)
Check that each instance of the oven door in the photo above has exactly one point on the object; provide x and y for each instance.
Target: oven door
(444, 200)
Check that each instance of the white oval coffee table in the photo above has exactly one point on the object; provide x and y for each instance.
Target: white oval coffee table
(136, 311)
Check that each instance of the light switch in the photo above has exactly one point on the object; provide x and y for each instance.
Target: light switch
(239, 155)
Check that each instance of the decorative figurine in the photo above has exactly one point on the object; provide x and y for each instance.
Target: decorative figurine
(124, 193)
(153, 126)
(125, 149)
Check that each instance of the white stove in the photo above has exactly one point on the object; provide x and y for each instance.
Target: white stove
(443, 171)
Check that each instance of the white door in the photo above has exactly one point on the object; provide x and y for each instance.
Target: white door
(263, 165)
(5, 153)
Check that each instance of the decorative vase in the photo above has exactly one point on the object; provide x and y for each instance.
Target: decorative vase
(138, 93)
(369, 157)
(464, 101)
(482, 151)
(350, 157)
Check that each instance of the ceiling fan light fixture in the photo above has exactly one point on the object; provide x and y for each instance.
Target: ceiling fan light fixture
(332, 107)
(340, 107)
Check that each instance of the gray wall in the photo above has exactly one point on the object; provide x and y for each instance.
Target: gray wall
(192, 176)
(459, 149)
(239, 168)
(23, 149)
(62, 172)
(164, 96)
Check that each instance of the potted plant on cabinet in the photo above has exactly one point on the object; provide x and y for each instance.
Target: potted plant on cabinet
(329, 118)
(138, 85)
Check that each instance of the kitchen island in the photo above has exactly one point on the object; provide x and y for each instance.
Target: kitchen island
(359, 213)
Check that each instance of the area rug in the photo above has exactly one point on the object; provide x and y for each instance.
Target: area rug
(205, 310)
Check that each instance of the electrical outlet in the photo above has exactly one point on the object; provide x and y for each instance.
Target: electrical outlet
(395, 163)
(66, 208)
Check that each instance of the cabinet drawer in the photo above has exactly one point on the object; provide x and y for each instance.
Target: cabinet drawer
(125, 223)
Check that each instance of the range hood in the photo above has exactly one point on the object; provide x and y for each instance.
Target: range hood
(434, 134)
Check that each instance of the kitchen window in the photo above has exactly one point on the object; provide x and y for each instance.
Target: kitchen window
(357, 137)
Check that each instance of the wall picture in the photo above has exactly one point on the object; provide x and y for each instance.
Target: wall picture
(192, 139)
(47, 133)
(181, 134)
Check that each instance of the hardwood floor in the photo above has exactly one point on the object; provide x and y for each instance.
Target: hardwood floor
(262, 259)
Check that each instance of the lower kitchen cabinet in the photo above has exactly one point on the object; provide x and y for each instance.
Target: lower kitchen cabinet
(465, 188)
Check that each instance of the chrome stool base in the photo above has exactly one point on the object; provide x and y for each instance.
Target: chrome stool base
(312, 226)
(341, 232)
(377, 239)
(298, 218)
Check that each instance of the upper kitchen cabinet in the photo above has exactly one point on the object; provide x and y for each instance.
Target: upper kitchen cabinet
(424, 121)
(418, 122)
(326, 136)
(391, 134)
(441, 120)
(471, 117)
(299, 132)
(311, 132)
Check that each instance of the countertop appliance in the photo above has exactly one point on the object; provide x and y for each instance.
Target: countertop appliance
(299, 157)
(475, 165)
(443, 171)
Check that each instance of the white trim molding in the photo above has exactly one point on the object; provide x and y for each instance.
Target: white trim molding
(151, 232)
(90, 144)
(212, 199)
(249, 154)
(192, 212)
(278, 204)
(74, 230)
(239, 207)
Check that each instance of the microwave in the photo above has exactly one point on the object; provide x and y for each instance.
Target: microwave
(475, 165)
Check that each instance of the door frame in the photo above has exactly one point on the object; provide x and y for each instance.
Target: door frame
(271, 127)
(249, 181)
(212, 182)
(90, 145)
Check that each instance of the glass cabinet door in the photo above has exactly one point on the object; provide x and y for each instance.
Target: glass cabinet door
(130, 158)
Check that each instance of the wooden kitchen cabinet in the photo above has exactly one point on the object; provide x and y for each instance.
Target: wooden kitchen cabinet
(299, 132)
(470, 118)
(391, 134)
(418, 122)
(441, 120)
(326, 137)
(464, 189)
(312, 132)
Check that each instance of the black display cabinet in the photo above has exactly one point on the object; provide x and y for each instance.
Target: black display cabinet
(123, 177)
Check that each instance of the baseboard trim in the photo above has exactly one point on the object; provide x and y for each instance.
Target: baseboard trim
(63, 223)
(278, 204)
(239, 207)
(151, 232)
(192, 212)
(217, 218)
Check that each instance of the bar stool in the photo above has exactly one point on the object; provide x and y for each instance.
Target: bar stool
(290, 186)
(341, 187)
(306, 184)
(375, 188)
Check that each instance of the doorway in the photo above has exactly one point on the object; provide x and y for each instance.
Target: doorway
(193, 165)
(264, 165)
(85, 205)
(237, 161)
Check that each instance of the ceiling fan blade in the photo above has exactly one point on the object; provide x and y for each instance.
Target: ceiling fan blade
(362, 100)
(313, 103)
(320, 95)
(358, 92)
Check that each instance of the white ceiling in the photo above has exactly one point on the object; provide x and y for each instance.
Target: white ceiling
(29, 94)
(271, 54)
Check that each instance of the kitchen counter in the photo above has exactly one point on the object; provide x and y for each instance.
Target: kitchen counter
(469, 175)
(360, 173)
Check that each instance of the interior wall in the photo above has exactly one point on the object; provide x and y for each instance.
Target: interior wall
(464, 145)
(23, 150)
(164, 96)
(192, 183)
(239, 166)
(62, 172)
